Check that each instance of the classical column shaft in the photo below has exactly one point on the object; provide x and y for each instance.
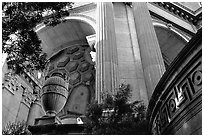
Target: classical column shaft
(106, 58)
(141, 87)
(152, 61)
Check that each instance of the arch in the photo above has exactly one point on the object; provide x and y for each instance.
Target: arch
(83, 18)
(170, 39)
(167, 26)
(54, 38)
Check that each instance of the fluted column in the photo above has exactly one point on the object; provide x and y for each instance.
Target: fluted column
(140, 82)
(106, 58)
(152, 61)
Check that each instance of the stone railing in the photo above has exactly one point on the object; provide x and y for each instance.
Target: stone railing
(176, 104)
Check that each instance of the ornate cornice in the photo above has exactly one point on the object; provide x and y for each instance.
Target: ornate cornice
(181, 13)
(188, 9)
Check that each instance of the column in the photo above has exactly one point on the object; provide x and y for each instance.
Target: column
(141, 87)
(152, 61)
(106, 51)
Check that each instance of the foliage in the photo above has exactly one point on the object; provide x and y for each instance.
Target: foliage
(16, 128)
(19, 39)
(116, 115)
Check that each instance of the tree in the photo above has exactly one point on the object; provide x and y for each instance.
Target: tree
(19, 40)
(116, 115)
(16, 128)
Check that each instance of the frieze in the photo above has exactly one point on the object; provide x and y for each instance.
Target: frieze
(177, 98)
(183, 93)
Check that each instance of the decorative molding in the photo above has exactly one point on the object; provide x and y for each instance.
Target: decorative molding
(28, 98)
(177, 96)
(190, 32)
(83, 8)
(188, 9)
(10, 83)
(87, 19)
(179, 12)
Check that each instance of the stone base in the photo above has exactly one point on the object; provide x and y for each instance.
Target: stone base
(47, 120)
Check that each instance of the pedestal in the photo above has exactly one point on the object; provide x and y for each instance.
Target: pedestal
(47, 120)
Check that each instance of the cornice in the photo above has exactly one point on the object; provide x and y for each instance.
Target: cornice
(83, 8)
(184, 14)
(188, 9)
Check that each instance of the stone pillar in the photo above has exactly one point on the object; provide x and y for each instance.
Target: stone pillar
(152, 61)
(141, 87)
(106, 58)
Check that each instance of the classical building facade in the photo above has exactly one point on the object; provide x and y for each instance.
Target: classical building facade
(155, 47)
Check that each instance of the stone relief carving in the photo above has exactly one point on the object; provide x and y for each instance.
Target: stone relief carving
(183, 93)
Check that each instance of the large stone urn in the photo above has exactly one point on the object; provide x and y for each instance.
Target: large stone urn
(54, 95)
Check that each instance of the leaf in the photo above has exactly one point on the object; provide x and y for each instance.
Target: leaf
(19, 19)
(117, 115)
(16, 128)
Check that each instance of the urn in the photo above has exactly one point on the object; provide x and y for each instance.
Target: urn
(54, 95)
